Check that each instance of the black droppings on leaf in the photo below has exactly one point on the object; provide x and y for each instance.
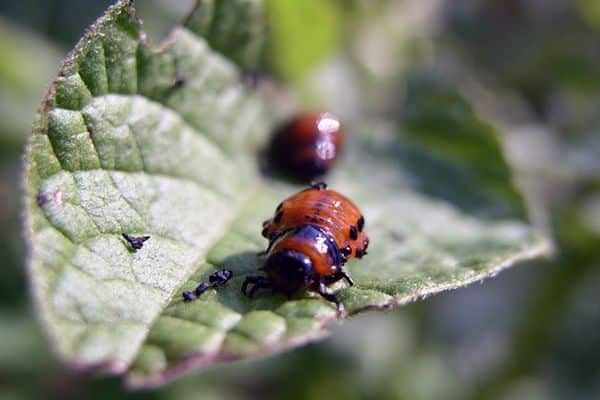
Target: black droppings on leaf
(220, 278)
(216, 279)
(136, 242)
(189, 296)
(201, 288)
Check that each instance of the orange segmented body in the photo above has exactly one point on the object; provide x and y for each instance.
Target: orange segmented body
(306, 146)
(311, 236)
(331, 212)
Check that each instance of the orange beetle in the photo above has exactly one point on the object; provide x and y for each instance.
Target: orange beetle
(306, 146)
(311, 236)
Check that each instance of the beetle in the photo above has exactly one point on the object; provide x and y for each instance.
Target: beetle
(306, 146)
(312, 234)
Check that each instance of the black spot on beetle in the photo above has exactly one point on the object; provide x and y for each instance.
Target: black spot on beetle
(346, 250)
(278, 217)
(360, 223)
(353, 232)
(136, 242)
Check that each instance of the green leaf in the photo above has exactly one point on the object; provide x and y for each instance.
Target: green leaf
(419, 246)
(589, 11)
(235, 28)
(141, 140)
(438, 118)
(163, 142)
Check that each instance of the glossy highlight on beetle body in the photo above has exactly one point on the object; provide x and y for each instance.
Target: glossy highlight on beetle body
(306, 146)
(312, 234)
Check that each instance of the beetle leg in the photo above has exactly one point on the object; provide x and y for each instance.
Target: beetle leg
(263, 284)
(318, 185)
(341, 274)
(330, 296)
(250, 279)
(258, 282)
(266, 227)
(347, 277)
(328, 280)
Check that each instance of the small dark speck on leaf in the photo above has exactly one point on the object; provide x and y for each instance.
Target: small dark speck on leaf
(179, 81)
(397, 235)
(252, 78)
(41, 199)
(136, 242)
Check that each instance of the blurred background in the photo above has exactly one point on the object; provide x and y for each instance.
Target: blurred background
(529, 67)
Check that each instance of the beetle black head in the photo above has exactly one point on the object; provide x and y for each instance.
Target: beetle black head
(289, 270)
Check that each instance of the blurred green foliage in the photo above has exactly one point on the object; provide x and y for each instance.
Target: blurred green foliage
(19, 97)
(437, 117)
(590, 12)
(302, 34)
(544, 346)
